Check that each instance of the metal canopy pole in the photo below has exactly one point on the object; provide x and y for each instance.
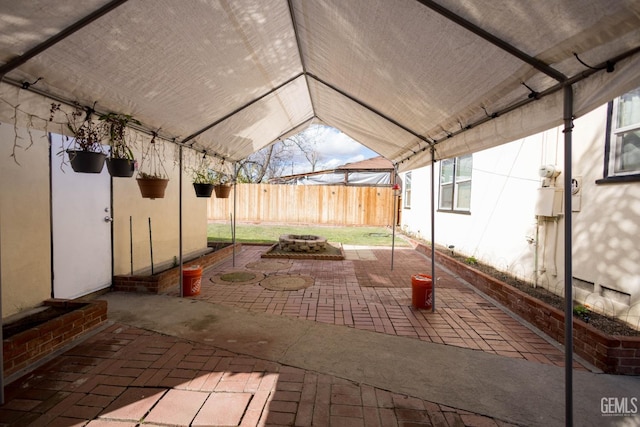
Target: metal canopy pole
(507, 47)
(395, 212)
(370, 108)
(235, 201)
(582, 75)
(180, 222)
(1, 335)
(433, 231)
(237, 110)
(19, 60)
(568, 273)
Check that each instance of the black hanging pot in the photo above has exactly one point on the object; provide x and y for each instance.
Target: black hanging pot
(86, 161)
(203, 190)
(120, 168)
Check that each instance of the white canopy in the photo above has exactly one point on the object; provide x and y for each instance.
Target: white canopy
(399, 76)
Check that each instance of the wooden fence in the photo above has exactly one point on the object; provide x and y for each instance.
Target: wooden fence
(307, 204)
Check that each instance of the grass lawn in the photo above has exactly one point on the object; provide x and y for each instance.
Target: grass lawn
(269, 233)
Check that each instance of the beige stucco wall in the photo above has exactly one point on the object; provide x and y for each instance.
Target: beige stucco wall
(25, 233)
(25, 220)
(164, 214)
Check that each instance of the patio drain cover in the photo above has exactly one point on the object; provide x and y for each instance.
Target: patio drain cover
(237, 277)
(287, 283)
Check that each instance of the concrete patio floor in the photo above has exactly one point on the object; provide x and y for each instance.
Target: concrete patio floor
(347, 351)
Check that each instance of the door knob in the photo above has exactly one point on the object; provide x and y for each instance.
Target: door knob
(108, 219)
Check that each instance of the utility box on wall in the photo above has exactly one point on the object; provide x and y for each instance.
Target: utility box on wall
(549, 202)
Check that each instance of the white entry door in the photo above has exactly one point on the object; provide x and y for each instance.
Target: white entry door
(81, 227)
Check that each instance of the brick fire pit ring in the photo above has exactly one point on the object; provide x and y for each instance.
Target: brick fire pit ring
(302, 243)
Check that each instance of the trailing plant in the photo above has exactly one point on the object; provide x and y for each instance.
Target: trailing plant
(151, 165)
(204, 176)
(222, 178)
(145, 175)
(115, 125)
(87, 134)
(202, 173)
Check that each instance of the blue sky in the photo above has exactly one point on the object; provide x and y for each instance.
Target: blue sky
(335, 149)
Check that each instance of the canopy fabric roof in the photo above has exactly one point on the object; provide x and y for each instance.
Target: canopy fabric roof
(401, 76)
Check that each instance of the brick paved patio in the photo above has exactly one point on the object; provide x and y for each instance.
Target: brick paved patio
(363, 292)
(125, 376)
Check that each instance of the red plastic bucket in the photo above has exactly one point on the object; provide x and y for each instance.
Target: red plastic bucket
(191, 280)
(421, 287)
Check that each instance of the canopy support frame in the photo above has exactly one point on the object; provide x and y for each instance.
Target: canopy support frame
(138, 128)
(568, 254)
(34, 51)
(519, 104)
(433, 230)
(239, 109)
(373, 110)
(180, 222)
(496, 41)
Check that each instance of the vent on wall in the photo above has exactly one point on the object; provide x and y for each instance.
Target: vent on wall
(583, 285)
(615, 295)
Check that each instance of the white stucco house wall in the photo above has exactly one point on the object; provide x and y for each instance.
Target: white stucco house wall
(501, 211)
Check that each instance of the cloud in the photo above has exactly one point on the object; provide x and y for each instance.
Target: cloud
(335, 143)
(335, 148)
(334, 162)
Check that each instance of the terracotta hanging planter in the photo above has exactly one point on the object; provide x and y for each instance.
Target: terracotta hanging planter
(86, 161)
(222, 191)
(203, 190)
(152, 188)
(120, 168)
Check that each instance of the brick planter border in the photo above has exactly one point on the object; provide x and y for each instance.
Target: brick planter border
(613, 354)
(163, 281)
(28, 347)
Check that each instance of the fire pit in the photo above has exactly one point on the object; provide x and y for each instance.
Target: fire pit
(302, 243)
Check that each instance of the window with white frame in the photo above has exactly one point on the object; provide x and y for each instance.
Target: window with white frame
(407, 190)
(622, 151)
(455, 184)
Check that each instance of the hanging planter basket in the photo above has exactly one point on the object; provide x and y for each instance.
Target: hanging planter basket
(222, 191)
(152, 188)
(86, 161)
(203, 190)
(120, 168)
